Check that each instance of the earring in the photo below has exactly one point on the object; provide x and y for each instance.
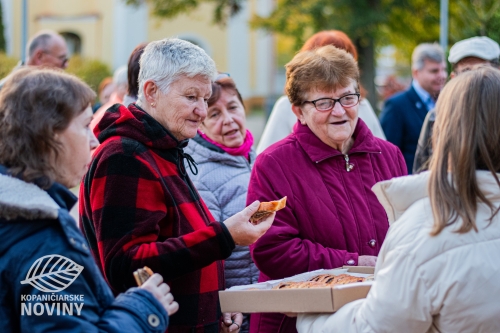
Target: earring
(153, 104)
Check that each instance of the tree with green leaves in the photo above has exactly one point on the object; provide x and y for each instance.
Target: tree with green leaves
(369, 23)
(170, 8)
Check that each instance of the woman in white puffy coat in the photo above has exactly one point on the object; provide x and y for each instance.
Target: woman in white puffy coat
(438, 270)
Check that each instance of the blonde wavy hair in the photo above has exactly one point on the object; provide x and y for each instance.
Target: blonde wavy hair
(465, 139)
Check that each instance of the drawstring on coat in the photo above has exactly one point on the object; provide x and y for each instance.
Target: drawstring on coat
(191, 163)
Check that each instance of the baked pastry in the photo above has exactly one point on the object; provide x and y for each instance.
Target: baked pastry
(311, 284)
(284, 285)
(321, 281)
(348, 279)
(331, 280)
(142, 274)
(300, 285)
(324, 278)
(267, 208)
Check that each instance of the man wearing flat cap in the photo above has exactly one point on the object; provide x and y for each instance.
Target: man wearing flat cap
(464, 56)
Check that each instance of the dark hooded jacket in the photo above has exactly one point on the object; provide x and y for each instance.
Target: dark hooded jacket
(49, 280)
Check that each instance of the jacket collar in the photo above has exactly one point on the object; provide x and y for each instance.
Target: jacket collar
(62, 196)
(133, 122)
(19, 199)
(204, 151)
(317, 150)
(199, 140)
(398, 194)
(416, 100)
(423, 95)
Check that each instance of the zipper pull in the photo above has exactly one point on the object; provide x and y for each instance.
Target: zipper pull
(348, 166)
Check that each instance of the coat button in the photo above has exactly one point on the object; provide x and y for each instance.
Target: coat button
(372, 243)
(84, 246)
(351, 262)
(153, 320)
(72, 241)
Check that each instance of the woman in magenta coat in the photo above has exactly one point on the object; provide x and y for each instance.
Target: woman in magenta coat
(327, 168)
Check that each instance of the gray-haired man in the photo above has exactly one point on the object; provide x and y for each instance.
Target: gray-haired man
(46, 48)
(464, 56)
(404, 113)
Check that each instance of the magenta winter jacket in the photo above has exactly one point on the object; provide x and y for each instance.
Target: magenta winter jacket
(332, 216)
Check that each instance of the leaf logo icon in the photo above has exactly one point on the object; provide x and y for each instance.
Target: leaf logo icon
(52, 273)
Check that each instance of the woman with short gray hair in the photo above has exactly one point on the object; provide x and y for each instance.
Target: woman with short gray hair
(139, 206)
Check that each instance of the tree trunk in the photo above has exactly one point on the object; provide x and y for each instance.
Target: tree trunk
(2, 36)
(366, 61)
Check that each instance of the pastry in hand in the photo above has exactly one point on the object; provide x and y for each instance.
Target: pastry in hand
(142, 274)
(267, 208)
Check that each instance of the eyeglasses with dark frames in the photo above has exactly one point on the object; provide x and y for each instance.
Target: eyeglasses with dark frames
(62, 58)
(327, 104)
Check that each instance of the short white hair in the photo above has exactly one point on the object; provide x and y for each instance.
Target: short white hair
(426, 51)
(120, 77)
(164, 61)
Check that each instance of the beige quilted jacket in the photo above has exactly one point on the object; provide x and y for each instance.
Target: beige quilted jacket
(447, 283)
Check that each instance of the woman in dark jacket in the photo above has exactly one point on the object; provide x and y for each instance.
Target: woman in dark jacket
(332, 217)
(49, 280)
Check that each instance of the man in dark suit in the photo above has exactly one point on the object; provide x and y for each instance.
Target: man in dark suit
(404, 113)
(464, 56)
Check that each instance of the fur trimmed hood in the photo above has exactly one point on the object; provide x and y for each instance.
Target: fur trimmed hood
(19, 199)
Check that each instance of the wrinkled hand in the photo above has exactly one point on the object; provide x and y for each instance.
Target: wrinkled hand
(243, 232)
(161, 291)
(367, 261)
(231, 322)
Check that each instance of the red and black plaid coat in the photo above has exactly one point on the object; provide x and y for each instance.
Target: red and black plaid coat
(139, 208)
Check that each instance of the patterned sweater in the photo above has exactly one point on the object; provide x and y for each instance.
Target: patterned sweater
(139, 208)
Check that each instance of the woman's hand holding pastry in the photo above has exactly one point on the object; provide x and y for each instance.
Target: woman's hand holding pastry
(242, 230)
(161, 291)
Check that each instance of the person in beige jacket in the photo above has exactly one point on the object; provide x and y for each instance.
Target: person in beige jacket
(438, 270)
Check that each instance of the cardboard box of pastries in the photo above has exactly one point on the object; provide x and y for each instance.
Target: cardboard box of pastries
(321, 291)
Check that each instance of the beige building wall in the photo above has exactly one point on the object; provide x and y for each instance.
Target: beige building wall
(109, 30)
(91, 20)
(195, 27)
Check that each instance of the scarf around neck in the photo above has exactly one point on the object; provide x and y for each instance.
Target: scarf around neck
(243, 150)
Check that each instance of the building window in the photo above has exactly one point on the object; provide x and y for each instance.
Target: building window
(74, 43)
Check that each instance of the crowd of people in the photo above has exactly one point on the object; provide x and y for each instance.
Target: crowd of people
(169, 177)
